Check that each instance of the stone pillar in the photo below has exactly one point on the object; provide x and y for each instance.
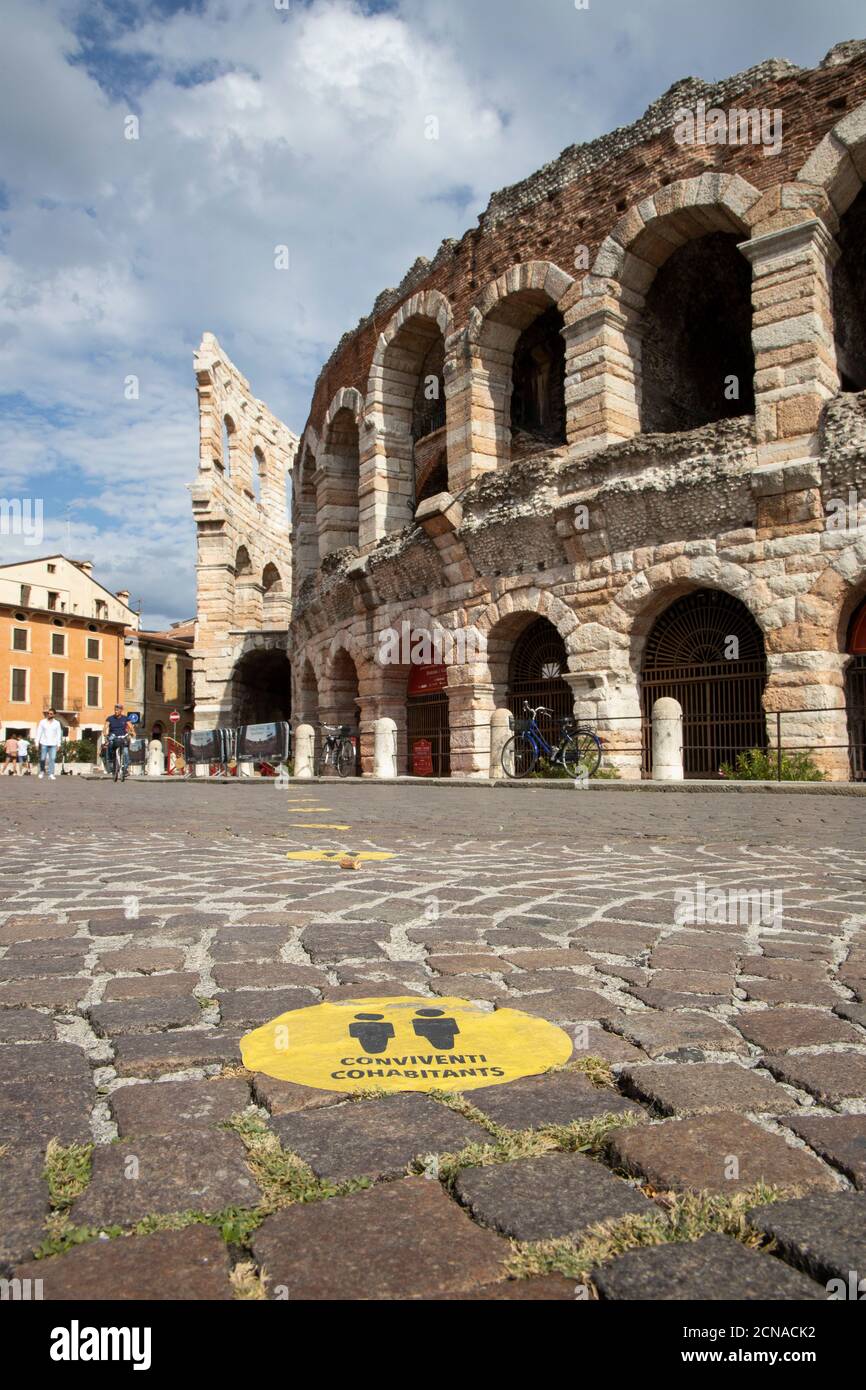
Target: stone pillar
(385, 748)
(475, 403)
(305, 744)
(792, 336)
(470, 706)
(500, 733)
(667, 740)
(807, 689)
(602, 373)
(607, 701)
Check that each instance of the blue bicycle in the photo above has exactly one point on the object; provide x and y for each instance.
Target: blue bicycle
(578, 750)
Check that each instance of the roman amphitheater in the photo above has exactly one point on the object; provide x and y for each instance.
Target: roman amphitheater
(616, 433)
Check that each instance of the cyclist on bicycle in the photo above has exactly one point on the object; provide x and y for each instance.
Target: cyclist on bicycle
(117, 730)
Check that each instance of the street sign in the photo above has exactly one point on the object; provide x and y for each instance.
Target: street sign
(174, 716)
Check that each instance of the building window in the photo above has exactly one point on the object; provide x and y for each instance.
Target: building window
(127, 673)
(187, 686)
(93, 698)
(20, 637)
(25, 594)
(52, 569)
(101, 608)
(58, 689)
(93, 649)
(157, 678)
(19, 685)
(58, 644)
(53, 599)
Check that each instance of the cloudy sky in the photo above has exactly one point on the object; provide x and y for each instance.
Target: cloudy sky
(264, 123)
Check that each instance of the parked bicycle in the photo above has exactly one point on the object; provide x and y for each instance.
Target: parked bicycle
(338, 750)
(578, 750)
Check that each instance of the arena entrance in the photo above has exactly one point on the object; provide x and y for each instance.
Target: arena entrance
(707, 652)
(855, 694)
(428, 734)
(262, 688)
(535, 674)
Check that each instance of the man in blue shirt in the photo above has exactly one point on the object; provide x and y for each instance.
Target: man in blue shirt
(117, 726)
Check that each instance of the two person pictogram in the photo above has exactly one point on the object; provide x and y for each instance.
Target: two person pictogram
(374, 1034)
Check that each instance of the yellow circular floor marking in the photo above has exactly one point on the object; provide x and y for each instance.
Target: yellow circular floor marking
(333, 855)
(407, 1043)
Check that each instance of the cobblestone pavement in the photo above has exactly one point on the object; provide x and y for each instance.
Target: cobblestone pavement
(144, 929)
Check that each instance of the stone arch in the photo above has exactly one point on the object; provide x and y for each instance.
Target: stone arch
(307, 692)
(305, 550)
(605, 323)
(275, 606)
(515, 338)
(505, 621)
(406, 440)
(229, 439)
(338, 472)
(247, 601)
(837, 165)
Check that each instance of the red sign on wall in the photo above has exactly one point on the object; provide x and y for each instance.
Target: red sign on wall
(425, 680)
(422, 758)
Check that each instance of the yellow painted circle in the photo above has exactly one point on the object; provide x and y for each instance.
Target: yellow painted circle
(334, 855)
(408, 1043)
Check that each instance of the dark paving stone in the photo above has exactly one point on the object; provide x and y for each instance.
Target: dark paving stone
(468, 964)
(631, 974)
(800, 948)
(543, 1198)
(44, 994)
(840, 1139)
(144, 1015)
(149, 987)
(169, 1265)
(31, 927)
(702, 1087)
(236, 976)
(778, 1030)
(400, 1240)
(375, 1138)
(287, 1098)
(609, 1046)
(165, 1106)
(694, 981)
(253, 1007)
(41, 968)
(663, 999)
(789, 992)
(830, 1077)
(46, 1063)
(668, 956)
(556, 1098)
(334, 941)
(116, 923)
(565, 1004)
(615, 939)
(144, 958)
(383, 972)
(662, 1036)
(197, 1171)
(779, 968)
(25, 1025)
(546, 1289)
(153, 1053)
(67, 947)
(854, 1013)
(556, 958)
(717, 1268)
(38, 1111)
(192, 923)
(23, 1203)
(825, 1236)
(695, 1154)
(470, 987)
(333, 994)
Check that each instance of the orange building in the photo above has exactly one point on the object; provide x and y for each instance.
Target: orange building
(61, 646)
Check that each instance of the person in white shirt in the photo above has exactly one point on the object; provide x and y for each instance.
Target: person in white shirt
(23, 754)
(49, 737)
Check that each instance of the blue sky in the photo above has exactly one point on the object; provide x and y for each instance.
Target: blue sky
(266, 122)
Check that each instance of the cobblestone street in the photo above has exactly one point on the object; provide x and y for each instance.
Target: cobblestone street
(144, 929)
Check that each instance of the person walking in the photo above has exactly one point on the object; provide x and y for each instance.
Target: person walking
(10, 749)
(23, 754)
(49, 737)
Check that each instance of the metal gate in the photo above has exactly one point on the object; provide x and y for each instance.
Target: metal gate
(534, 674)
(855, 698)
(427, 722)
(707, 652)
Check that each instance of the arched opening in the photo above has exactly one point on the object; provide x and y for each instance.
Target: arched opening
(337, 497)
(243, 563)
(538, 390)
(259, 470)
(535, 676)
(707, 652)
(697, 361)
(262, 688)
(413, 393)
(228, 429)
(855, 694)
(305, 550)
(521, 352)
(274, 607)
(849, 296)
(343, 700)
(247, 606)
(428, 730)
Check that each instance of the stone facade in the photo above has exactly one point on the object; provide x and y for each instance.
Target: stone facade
(244, 549)
(709, 439)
